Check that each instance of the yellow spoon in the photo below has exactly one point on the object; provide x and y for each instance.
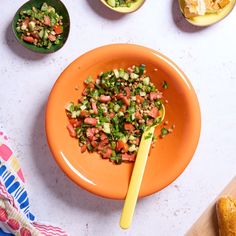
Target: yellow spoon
(133, 7)
(209, 18)
(137, 174)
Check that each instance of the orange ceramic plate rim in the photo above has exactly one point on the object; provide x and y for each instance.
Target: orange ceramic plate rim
(168, 65)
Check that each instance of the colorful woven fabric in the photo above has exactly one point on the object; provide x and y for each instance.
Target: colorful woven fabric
(15, 216)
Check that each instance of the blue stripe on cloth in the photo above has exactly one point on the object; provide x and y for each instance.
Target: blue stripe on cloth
(16, 196)
(2, 169)
(24, 204)
(9, 181)
(13, 187)
(7, 175)
(22, 197)
(31, 216)
(2, 233)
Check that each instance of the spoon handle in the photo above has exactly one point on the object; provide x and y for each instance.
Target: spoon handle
(136, 179)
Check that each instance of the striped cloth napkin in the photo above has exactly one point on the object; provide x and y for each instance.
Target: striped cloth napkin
(15, 215)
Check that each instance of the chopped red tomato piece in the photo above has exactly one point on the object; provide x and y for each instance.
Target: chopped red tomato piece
(111, 115)
(126, 101)
(90, 121)
(138, 115)
(83, 148)
(128, 126)
(154, 113)
(106, 153)
(94, 144)
(52, 38)
(58, 29)
(94, 107)
(127, 90)
(47, 20)
(71, 130)
(28, 39)
(155, 95)
(90, 133)
(25, 23)
(122, 145)
(128, 157)
(139, 99)
(75, 122)
(84, 113)
(104, 98)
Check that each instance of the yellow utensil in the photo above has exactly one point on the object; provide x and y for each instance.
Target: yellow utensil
(133, 7)
(208, 19)
(137, 174)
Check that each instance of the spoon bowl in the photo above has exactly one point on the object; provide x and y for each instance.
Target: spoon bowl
(133, 7)
(208, 19)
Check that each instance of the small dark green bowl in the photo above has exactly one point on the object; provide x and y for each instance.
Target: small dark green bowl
(60, 9)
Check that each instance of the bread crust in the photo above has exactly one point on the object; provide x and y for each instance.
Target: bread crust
(226, 215)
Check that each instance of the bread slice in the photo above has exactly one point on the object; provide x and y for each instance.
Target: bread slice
(226, 215)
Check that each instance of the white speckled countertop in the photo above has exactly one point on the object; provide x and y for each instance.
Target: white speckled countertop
(208, 57)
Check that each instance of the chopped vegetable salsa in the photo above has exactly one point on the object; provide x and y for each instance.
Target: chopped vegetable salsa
(120, 3)
(113, 113)
(42, 27)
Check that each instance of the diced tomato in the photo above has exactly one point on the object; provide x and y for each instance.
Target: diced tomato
(25, 23)
(154, 113)
(83, 148)
(139, 99)
(122, 145)
(58, 29)
(104, 142)
(94, 144)
(71, 130)
(126, 101)
(137, 141)
(35, 35)
(75, 122)
(52, 38)
(94, 107)
(90, 121)
(103, 136)
(149, 121)
(47, 20)
(106, 153)
(130, 70)
(85, 92)
(104, 98)
(138, 115)
(127, 90)
(128, 157)
(84, 113)
(137, 131)
(111, 115)
(81, 99)
(119, 95)
(155, 95)
(90, 133)
(128, 126)
(28, 39)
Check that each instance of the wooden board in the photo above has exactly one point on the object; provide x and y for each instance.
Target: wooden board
(206, 225)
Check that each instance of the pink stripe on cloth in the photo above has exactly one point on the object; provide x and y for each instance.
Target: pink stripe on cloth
(49, 230)
(5, 152)
(4, 193)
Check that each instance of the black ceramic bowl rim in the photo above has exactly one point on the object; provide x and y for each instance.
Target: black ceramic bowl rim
(32, 47)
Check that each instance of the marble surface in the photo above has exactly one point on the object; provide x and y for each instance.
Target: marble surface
(207, 55)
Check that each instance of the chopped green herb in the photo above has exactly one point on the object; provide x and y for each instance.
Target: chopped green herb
(165, 85)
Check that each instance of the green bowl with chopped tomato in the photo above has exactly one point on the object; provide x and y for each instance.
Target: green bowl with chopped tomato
(50, 46)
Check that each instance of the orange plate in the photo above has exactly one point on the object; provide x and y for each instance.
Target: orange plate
(171, 154)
